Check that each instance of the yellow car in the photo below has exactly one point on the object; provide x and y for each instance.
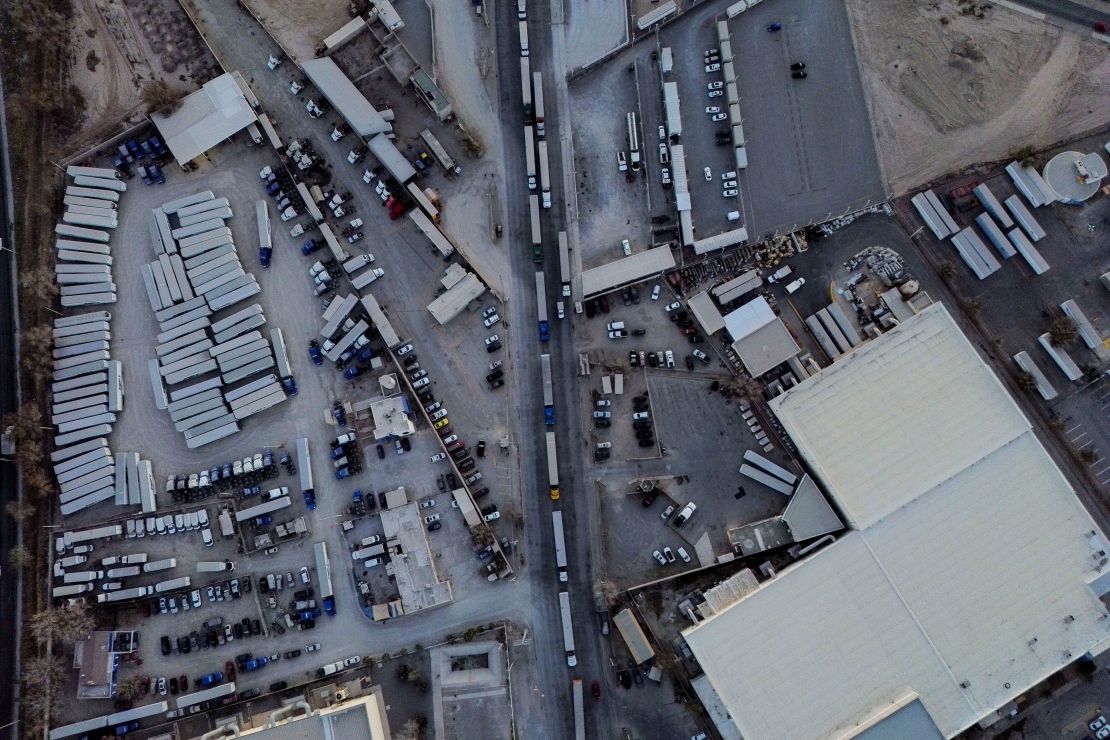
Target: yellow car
(442, 423)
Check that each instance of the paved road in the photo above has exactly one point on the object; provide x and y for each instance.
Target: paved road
(1068, 11)
(9, 581)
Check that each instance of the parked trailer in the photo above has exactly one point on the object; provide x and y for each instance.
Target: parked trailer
(81, 536)
(526, 87)
(995, 235)
(537, 239)
(265, 242)
(1026, 363)
(541, 307)
(124, 572)
(198, 228)
(368, 552)
(564, 263)
(1061, 357)
(552, 467)
(568, 628)
(78, 200)
(281, 357)
(270, 131)
(579, 710)
(304, 469)
(157, 565)
(545, 181)
(72, 589)
(173, 584)
(633, 142)
(1022, 215)
(438, 151)
(200, 206)
(124, 594)
(560, 545)
(267, 507)
(72, 507)
(79, 232)
(96, 193)
(185, 201)
(323, 578)
(104, 183)
(530, 156)
(537, 108)
(435, 236)
(548, 398)
(206, 216)
(78, 171)
(84, 219)
(59, 456)
(103, 209)
(1028, 252)
(423, 201)
(992, 206)
(198, 697)
(83, 576)
(72, 245)
(211, 435)
(310, 203)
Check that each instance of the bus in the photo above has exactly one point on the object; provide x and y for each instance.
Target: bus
(552, 467)
(323, 578)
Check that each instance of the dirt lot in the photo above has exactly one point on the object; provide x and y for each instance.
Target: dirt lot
(948, 89)
(298, 26)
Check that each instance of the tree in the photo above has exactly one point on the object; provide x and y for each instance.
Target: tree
(1026, 381)
(130, 688)
(1087, 455)
(35, 346)
(19, 557)
(973, 306)
(1062, 331)
(66, 623)
(26, 423)
(21, 511)
(40, 674)
(161, 97)
(947, 271)
(403, 671)
(37, 483)
(39, 284)
(411, 730)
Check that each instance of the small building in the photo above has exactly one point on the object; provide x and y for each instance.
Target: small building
(205, 118)
(451, 303)
(432, 96)
(392, 418)
(96, 660)
(626, 271)
(634, 636)
(760, 339)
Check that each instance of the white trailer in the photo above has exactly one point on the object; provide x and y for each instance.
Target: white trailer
(173, 584)
(97, 193)
(560, 545)
(77, 200)
(281, 356)
(568, 628)
(530, 156)
(174, 205)
(79, 232)
(198, 228)
(200, 206)
(84, 219)
(105, 183)
(206, 217)
(545, 181)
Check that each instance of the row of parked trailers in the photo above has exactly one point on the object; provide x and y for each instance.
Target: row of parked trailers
(995, 221)
(86, 395)
(196, 274)
(83, 265)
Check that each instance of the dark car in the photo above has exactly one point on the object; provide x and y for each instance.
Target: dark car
(173, 686)
(465, 466)
(434, 526)
(689, 362)
(624, 678)
(796, 66)
(799, 75)
(481, 493)
(647, 443)
(644, 434)
(315, 353)
(291, 654)
(481, 449)
(406, 444)
(641, 424)
(278, 685)
(166, 647)
(596, 689)
(256, 627)
(602, 423)
(250, 694)
(649, 498)
(381, 452)
(500, 382)
(493, 346)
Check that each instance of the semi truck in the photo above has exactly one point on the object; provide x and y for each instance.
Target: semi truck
(530, 156)
(537, 240)
(545, 180)
(564, 264)
(633, 142)
(523, 27)
(304, 470)
(323, 578)
(265, 243)
(560, 545)
(537, 85)
(214, 566)
(526, 87)
(568, 629)
(281, 356)
(548, 398)
(541, 307)
(579, 710)
(552, 467)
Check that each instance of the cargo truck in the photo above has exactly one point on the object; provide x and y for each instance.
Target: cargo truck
(523, 30)
(173, 584)
(526, 87)
(552, 467)
(304, 470)
(545, 181)
(548, 398)
(281, 356)
(541, 307)
(568, 628)
(530, 156)
(265, 243)
(537, 108)
(560, 545)
(537, 239)
(323, 578)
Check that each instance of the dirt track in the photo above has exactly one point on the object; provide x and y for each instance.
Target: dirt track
(948, 90)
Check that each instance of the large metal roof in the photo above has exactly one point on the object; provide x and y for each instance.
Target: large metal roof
(205, 118)
(968, 576)
(626, 271)
(342, 94)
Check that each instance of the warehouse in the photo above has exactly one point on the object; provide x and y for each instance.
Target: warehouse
(970, 572)
(205, 118)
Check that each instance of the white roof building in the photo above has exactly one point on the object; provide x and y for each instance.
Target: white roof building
(205, 118)
(970, 574)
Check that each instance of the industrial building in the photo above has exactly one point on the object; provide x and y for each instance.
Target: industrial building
(969, 573)
(205, 118)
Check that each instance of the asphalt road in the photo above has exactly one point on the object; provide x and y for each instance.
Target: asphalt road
(9, 579)
(1068, 11)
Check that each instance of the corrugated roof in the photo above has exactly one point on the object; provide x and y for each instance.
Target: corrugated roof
(391, 158)
(766, 347)
(706, 313)
(634, 636)
(205, 118)
(967, 579)
(626, 271)
(348, 102)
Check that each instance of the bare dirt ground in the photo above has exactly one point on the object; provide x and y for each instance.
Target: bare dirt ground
(594, 29)
(299, 26)
(948, 89)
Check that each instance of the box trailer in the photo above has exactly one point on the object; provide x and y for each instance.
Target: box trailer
(230, 299)
(104, 183)
(198, 228)
(235, 394)
(157, 565)
(173, 584)
(212, 435)
(205, 216)
(82, 201)
(246, 371)
(84, 219)
(175, 205)
(96, 193)
(80, 232)
(200, 206)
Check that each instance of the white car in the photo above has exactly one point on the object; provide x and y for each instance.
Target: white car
(206, 537)
(492, 517)
(718, 117)
(314, 647)
(489, 312)
(491, 321)
(670, 358)
(295, 87)
(439, 456)
(355, 156)
(626, 247)
(795, 286)
(655, 292)
(640, 415)
(731, 175)
(659, 557)
(700, 355)
(672, 307)
(439, 414)
(715, 85)
(265, 172)
(404, 350)
(428, 504)
(622, 162)
(353, 660)
(382, 191)
(431, 518)
(715, 67)
(491, 339)
(664, 155)
(367, 176)
(712, 109)
(451, 439)
(708, 174)
(305, 577)
(730, 193)
(665, 176)
(421, 383)
(272, 63)
(729, 184)
(195, 597)
(715, 93)
(337, 133)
